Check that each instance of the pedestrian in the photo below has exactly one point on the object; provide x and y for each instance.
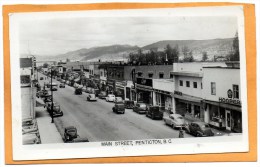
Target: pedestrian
(181, 133)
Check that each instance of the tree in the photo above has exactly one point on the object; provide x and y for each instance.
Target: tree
(188, 55)
(236, 54)
(45, 65)
(205, 56)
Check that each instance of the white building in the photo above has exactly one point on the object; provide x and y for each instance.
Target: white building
(222, 97)
(188, 80)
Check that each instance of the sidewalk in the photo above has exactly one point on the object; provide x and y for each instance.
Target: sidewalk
(48, 131)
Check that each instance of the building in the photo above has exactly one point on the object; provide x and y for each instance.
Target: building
(115, 80)
(222, 97)
(188, 80)
(28, 91)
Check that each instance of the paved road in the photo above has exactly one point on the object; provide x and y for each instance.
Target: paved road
(97, 122)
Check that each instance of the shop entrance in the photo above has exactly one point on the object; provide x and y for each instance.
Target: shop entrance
(228, 120)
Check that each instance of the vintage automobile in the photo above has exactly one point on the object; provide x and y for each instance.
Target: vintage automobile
(30, 138)
(47, 98)
(175, 121)
(56, 109)
(154, 112)
(119, 100)
(89, 90)
(70, 133)
(41, 93)
(62, 85)
(199, 129)
(78, 140)
(78, 91)
(140, 108)
(129, 104)
(119, 108)
(91, 97)
(110, 98)
(102, 95)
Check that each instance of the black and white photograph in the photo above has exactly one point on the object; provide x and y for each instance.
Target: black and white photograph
(109, 83)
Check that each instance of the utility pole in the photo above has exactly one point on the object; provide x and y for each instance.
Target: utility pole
(52, 121)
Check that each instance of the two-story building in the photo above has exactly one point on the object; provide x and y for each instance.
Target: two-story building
(188, 80)
(222, 97)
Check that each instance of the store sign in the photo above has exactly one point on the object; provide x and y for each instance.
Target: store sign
(229, 101)
(178, 93)
(145, 82)
(229, 93)
(121, 84)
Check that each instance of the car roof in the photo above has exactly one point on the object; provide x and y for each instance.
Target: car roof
(175, 115)
(70, 127)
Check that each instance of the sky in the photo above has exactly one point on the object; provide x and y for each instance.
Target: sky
(58, 36)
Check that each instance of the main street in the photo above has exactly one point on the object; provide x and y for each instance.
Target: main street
(97, 122)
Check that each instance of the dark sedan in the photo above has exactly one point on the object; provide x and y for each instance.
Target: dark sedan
(140, 108)
(199, 129)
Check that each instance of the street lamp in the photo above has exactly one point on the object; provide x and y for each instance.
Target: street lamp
(52, 121)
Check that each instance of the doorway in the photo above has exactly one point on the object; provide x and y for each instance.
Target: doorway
(228, 120)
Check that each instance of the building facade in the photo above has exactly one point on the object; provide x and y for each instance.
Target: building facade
(222, 97)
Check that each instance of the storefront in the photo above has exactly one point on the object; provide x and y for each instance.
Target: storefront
(163, 99)
(189, 106)
(110, 86)
(144, 88)
(120, 89)
(224, 114)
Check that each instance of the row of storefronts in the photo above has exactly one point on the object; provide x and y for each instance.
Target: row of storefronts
(206, 92)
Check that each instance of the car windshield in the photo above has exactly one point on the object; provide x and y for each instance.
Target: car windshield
(205, 126)
(142, 105)
(71, 130)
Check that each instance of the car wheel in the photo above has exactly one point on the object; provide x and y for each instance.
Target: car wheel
(153, 117)
(197, 135)
(123, 112)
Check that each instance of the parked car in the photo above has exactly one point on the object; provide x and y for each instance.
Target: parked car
(199, 129)
(41, 78)
(70, 133)
(56, 109)
(102, 95)
(119, 108)
(47, 98)
(110, 98)
(91, 97)
(30, 138)
(96, 91)
(62, 85)
(175, 121)
(154, 112)
(119, 100)
(78, 140)
(78, 91)
(41, 93)
(129, 104)
(140, 108)
(88, 89)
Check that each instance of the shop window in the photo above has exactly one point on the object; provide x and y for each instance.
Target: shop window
(194, 84)
(213, 88)
(150, 75)
(161, 75)
(236, 91)
(187, 83)
(181, 83)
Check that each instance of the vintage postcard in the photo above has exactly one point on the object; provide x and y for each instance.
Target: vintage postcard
(128, 82)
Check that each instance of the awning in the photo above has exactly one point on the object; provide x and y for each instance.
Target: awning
(223, 105)
(144, 88)
(188, 98)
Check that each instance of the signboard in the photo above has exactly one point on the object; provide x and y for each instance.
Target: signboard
(178, 93)
(229, 101)
(145, 82)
